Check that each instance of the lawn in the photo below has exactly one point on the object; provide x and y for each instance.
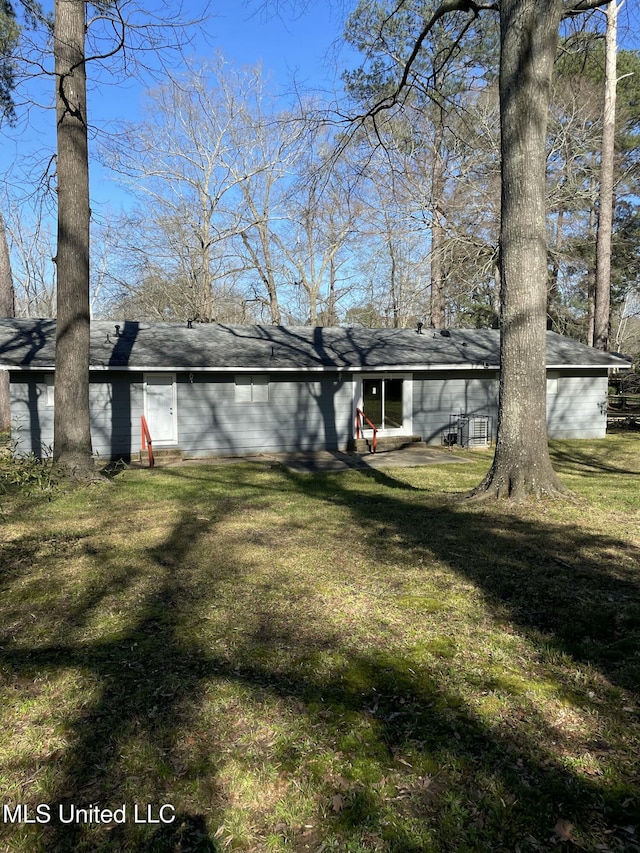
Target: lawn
(340, 662)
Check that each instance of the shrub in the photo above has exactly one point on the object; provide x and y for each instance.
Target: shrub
(25, 474)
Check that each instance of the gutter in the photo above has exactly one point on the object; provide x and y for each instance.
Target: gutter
(386, 368)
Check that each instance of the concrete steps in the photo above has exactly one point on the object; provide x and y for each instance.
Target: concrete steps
(383, 443)
(162, 455)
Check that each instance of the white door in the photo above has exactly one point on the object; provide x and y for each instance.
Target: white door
(160, 407)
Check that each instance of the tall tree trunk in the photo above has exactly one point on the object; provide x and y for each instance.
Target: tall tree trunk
(438, 320)
(553, 292)
(602, 307)
(591, 270)
(265, 271)
(393, 283)
(495, 293)
(205, 289)
(332, 313)
(72, 435)
(7, 309)
(528, 38)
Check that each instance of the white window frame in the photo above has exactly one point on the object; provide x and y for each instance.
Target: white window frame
(256, 388)
(407, 402)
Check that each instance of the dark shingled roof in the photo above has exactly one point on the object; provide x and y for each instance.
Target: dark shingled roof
(27, 344)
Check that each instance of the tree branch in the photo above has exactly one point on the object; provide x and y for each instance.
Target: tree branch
(445, 8)
(577, 7)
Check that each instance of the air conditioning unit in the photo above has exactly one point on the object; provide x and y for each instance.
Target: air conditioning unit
(474, 430)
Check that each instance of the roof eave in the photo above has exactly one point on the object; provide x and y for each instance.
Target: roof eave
(330, 368)
(611, 365)
(384, 368)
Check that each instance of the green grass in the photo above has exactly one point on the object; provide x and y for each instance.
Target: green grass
(340, 662)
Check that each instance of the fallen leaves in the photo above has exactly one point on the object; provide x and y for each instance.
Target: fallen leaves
(563, 830)
(337, 803)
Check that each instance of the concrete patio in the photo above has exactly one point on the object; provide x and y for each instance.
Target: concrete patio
(334, 460)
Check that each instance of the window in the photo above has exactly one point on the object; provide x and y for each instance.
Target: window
(49, 385)
(552, 382)
(252, 388)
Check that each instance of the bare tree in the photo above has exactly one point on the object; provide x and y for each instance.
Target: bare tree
(575, 167)
(602, 303)
(574, 135)
(9, 38)
(216, 159)
(400, 259)
(32, 245)
(627, 331)
(438, 182)
(269, 146)
(431, 82)
(319, 216)
(179, 159)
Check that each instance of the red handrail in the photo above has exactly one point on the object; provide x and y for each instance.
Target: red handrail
(146, 440)
(360, 416)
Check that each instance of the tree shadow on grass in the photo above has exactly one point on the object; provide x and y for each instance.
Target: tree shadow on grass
(146, 680)
(476, 789)
(576, 590)
(473, 786)
(573, 594)
(569, 456)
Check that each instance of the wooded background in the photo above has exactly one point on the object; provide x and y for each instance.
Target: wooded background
(248, 207)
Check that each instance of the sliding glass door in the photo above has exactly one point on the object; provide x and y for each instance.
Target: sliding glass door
(383, 402)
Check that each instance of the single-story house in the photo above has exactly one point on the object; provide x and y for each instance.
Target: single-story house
(215, 389)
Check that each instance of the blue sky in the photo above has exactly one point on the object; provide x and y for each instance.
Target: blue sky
(285, 44)
(289, 46)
